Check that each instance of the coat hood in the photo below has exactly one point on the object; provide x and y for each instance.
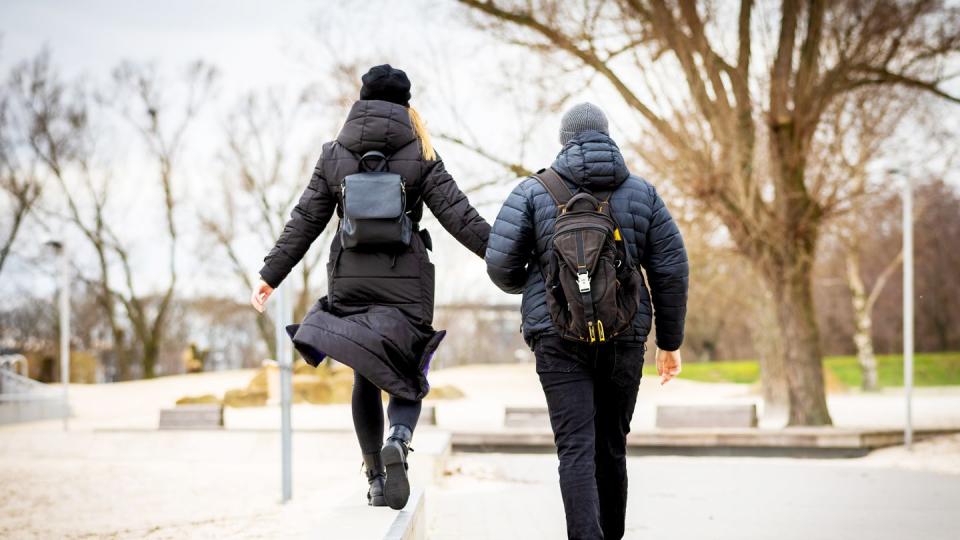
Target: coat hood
(376, 125)
(593, 161)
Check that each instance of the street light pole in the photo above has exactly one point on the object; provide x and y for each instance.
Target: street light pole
(60, 249)
(908, 308)
(65, 334)
(284, 363)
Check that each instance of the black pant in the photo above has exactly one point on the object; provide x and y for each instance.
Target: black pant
(591, 393)
(367, 405)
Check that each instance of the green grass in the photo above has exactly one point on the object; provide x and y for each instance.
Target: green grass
(930, 369)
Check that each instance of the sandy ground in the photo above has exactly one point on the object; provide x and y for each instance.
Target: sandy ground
(940, 454)
(167, 484)
(115, 476)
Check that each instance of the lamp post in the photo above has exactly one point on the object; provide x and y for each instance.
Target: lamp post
(908, 308)
(60, 249)
(284, 363)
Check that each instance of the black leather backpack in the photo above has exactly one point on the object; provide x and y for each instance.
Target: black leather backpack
(374, 203)
(593, 288)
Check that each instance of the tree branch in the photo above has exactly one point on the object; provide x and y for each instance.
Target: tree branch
(527, 20)
(517, 169)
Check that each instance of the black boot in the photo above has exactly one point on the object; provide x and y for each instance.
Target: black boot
(397, 487)
(375, 475)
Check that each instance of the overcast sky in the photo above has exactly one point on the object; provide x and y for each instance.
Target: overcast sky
(290, 44)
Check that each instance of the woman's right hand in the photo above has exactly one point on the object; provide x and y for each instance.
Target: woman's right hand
(260, 294)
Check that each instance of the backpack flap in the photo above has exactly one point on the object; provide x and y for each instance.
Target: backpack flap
(374, 195)
(374, 203)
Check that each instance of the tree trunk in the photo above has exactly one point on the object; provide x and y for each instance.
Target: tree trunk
(863, 326)
(800, 340)
(150, 354)
(122, 356)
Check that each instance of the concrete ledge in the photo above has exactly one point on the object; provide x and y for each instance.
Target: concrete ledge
(814, 441)
(429, 458)
(15, 409)
(411, 522)
(354, 519)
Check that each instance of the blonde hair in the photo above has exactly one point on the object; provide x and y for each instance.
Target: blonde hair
(420, 128)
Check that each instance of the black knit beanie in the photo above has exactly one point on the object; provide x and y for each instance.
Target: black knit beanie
(386, 84)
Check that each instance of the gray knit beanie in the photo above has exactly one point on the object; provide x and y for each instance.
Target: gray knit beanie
(582, 117)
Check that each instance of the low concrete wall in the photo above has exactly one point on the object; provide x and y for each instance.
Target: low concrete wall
(30, 410)
(411, 522)
(813, 442)
(429, 459)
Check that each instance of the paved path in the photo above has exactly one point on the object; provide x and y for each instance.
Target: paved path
(515, 496)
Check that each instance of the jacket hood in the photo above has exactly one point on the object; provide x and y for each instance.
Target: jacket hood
(376, 125)
(593, 161)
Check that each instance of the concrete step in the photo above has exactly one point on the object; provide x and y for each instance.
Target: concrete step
(798, 441)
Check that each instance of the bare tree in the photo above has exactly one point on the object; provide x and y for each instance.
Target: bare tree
(19, 178)
(65, 141)
(263, 175)
(62, 139)
(143, 101)
(859, 128)
(267, 160)
(938, 282)
(738, 133)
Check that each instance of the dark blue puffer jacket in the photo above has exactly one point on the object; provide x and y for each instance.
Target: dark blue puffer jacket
(524, 228)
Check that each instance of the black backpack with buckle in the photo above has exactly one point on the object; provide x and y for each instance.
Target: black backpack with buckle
(593, 287)
(374, 203)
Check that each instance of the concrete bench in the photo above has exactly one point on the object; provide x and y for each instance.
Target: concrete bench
(742, 415)
(526, 417)
(192, 417)
(428, 415)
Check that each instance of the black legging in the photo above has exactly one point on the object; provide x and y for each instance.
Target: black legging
(368, 413)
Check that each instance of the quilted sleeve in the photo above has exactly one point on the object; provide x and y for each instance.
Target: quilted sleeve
(453, 210)
(511, 243)
(309, 217)
(665, 261)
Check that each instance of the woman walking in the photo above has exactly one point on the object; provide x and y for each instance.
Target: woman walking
(378, 312)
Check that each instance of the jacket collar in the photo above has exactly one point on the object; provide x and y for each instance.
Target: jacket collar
(593, 161)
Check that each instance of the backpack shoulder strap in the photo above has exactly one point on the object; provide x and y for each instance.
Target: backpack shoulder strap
(555, 186)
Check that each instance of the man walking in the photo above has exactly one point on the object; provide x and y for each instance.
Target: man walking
(572, 239)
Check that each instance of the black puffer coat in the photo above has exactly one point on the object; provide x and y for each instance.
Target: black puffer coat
(378, 311)
(523, 230)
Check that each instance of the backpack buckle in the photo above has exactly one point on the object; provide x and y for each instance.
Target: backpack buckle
(583, 281)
